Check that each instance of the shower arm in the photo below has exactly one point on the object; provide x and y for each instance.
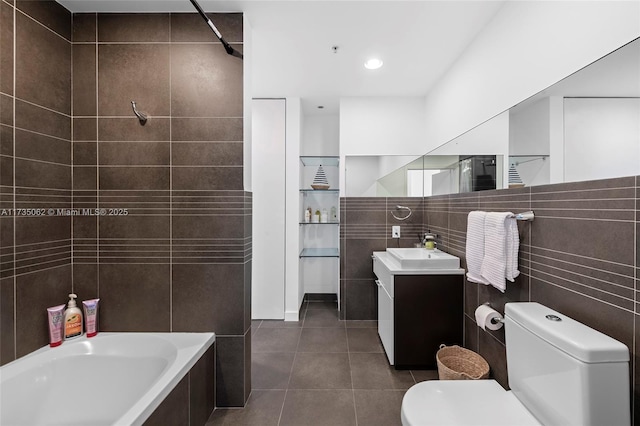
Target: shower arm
(227, 47)
(141, 115)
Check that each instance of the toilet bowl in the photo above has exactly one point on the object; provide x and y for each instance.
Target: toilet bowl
(454, 402)
(561, 372)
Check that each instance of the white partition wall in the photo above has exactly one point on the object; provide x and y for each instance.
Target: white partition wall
(268, 182)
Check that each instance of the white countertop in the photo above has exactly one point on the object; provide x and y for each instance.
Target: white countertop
(395, 269)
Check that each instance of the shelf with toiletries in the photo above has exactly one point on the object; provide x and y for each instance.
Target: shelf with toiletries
(319, 203)
(320, 214)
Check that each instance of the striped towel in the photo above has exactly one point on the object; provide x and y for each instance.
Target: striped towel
(494, 265)
(475, 246)
(513, 245)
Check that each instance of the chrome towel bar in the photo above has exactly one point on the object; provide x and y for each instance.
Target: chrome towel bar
(528, 216)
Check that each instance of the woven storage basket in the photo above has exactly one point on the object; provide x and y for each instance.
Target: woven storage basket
(456, 363)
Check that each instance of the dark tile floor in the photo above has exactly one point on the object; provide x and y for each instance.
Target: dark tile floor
(320, 371)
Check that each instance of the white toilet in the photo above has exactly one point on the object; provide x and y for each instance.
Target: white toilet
(561, 372)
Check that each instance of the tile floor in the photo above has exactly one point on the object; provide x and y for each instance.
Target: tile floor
(320, 371)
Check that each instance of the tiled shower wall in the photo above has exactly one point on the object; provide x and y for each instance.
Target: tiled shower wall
(580, 256)
(35, 170)
(179, 260)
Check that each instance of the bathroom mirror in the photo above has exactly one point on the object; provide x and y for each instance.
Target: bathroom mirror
(585, 127)
(367, 176)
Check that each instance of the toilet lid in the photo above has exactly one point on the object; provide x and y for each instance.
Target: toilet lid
(463, 402)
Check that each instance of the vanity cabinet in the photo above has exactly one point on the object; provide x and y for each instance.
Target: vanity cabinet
(427, 313)
(417, 312)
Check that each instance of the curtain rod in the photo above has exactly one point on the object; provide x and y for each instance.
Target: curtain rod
(230, 50)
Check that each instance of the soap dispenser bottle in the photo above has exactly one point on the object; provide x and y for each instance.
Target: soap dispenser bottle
(429, 242)
(72, 319)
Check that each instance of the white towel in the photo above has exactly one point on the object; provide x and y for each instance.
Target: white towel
(513, 245)
(475, 246)
(494, 265)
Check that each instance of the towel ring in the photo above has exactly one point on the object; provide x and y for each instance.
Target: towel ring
(401, 208)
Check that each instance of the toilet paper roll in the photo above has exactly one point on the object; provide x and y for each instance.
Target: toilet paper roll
(484, 315)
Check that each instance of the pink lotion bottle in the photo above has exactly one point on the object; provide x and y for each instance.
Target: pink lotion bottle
(91, 316)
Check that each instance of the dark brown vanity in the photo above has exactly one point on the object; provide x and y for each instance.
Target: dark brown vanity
(427, 313)
(418, 310)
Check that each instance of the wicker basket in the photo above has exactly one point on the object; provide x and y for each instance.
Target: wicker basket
(456, 363)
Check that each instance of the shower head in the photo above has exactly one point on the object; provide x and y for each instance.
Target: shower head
(227, 47)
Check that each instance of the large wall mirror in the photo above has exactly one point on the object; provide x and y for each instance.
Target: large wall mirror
(585, 127)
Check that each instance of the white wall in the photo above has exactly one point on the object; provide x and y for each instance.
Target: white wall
(530, 135)
(321, 135)
(556, 139)
(529, 129)
(528, 46)
(489, 138)
(445, 182)
(361, 175)
(380, 126)
(601, 138)
(277, 290)
(268, 266)
(294, 291)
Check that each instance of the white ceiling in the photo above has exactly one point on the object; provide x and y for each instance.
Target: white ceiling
(292, 43)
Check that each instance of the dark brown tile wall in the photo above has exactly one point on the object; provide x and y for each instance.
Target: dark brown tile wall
(580, 256)
(35, 170)
(191, 401)
(180, 259)
(366, 227)
(183, 246)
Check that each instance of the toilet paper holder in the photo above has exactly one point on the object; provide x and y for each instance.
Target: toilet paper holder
(495, 321)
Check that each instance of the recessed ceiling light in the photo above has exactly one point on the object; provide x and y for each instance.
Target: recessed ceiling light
(320, 106)
(373, 64)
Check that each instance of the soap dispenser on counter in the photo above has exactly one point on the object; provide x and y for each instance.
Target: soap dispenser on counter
(430, 241)
(72, 319)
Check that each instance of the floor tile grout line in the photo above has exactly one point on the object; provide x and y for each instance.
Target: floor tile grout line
(291, 371)
(353, 391)
(284, 400)
(352, 387)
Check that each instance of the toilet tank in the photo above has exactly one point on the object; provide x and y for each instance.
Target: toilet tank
(564, 372)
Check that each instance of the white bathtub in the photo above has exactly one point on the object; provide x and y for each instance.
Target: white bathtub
(110, 379)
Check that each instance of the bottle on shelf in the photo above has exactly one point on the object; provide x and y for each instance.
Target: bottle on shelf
(334, 217)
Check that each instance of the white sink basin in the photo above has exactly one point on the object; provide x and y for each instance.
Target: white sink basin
(419, 258)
